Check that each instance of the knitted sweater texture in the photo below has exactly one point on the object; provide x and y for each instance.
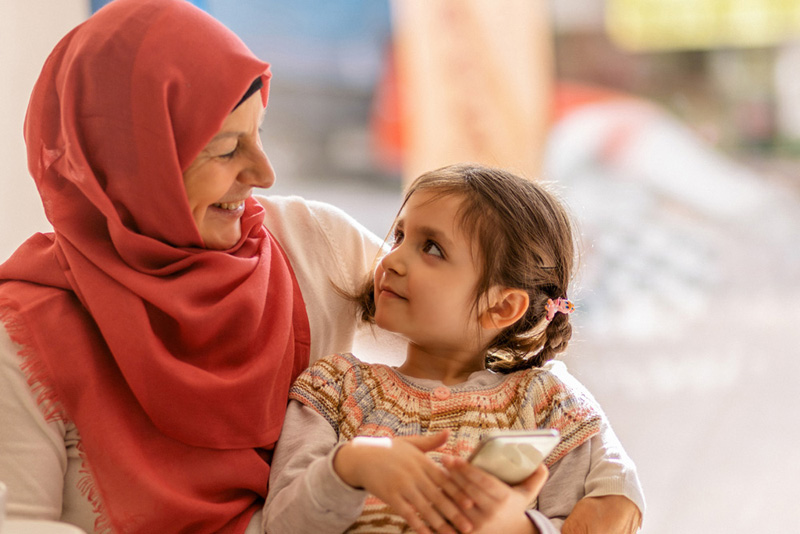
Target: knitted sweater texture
(360, 399)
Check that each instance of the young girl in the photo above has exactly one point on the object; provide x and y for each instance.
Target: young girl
(476, 281)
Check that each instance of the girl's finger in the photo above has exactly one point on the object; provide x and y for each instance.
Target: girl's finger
(445, 494)
(532, 485)
(435, 505)
(457, 495)
(428, 513)
(405, 510)
(477, 483)
(448, 509)
(480, 499)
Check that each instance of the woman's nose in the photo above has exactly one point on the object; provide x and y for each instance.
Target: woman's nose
(260, 172)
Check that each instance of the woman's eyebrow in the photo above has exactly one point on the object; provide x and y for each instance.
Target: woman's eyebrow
(226, 135)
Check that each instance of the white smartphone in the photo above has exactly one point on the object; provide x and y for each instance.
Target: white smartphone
(513, 455)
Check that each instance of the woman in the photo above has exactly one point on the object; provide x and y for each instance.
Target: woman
(149, 342)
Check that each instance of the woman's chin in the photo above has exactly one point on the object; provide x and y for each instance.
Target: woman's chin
(222, 240)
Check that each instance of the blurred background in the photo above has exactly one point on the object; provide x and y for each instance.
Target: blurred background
(670, 127)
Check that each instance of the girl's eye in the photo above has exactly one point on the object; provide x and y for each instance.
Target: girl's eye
(397, 237)
(433, 249)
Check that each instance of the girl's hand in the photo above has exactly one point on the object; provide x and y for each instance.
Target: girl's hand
(489, 503)
(397, 471)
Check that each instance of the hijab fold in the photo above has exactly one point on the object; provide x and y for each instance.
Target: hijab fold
(174, 361)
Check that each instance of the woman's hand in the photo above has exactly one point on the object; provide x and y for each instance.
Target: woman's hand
(397, 471)
(490, 504)
(610, 514)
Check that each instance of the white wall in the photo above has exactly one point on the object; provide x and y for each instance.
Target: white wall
(28, 31)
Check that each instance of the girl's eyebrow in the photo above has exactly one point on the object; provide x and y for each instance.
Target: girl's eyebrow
(435, 234)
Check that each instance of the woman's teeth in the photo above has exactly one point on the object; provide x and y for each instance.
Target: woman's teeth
(231, 206)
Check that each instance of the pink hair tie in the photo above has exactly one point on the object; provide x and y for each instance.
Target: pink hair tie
(558, 305)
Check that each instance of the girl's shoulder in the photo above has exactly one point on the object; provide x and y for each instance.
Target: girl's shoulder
(336, 380)
(340, 371)
(552, 385)
(553, 373)
(339, 364)
(561, 402)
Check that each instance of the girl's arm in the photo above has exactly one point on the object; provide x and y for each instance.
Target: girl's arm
(397, 471)
(305, 494)
(315, 484)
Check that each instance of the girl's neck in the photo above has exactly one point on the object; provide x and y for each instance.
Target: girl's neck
(449, 367)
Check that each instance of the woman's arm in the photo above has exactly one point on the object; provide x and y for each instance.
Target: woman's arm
(611, 514)
(33, 457)
(614, 502)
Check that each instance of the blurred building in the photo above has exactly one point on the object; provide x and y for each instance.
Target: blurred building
(675, 140)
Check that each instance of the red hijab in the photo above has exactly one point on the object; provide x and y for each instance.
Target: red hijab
(173, 361)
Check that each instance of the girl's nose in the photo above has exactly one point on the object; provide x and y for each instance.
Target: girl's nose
(393, 261)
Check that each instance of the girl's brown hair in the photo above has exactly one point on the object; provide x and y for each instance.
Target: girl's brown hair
(525, 241)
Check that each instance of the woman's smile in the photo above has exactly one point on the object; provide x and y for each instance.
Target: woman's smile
(237, 206)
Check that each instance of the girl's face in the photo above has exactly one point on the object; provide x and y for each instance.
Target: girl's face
(425, 286)
(223, 175)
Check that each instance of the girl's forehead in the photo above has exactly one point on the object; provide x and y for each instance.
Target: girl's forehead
(433, 198)
(437, 212)
(428, 208)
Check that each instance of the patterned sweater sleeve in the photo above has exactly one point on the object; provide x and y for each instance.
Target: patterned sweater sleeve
(589, 461)
(611, 471)
(305, 493)
(557, 405)
(323, 386)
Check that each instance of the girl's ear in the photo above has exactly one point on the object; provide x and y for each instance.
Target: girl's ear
(506, 307)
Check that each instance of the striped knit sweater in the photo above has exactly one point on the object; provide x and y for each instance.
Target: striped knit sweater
(360, 399)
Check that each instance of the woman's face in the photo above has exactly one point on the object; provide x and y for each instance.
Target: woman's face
(224, 174)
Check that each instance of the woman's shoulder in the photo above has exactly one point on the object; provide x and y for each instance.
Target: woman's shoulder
(309, 230)
(294, 209)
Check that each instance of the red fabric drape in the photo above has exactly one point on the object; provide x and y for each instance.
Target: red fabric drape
(173, 361)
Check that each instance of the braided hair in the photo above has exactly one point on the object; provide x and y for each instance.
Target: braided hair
(524, 241)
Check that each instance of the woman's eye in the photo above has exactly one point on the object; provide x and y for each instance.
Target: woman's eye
(230, 154)
(433, 249)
